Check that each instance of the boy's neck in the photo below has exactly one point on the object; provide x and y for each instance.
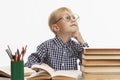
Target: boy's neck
(64, 38)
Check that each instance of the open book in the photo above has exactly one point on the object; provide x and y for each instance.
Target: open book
(5, 71)
(46, 72)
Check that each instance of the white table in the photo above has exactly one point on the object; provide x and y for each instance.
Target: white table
(2, 78)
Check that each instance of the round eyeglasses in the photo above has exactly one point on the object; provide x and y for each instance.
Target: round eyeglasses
(67, 17)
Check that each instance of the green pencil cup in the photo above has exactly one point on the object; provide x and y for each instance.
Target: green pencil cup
(17, 70)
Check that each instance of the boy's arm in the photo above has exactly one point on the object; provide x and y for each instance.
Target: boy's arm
(32, 59)
(38, 57)
(77, 35)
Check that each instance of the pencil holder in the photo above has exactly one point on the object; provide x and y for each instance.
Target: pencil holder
(17, 70)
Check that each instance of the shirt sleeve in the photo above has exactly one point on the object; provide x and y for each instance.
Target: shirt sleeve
(79, 49)
(37, 57)
(85, 44)
(32, 59)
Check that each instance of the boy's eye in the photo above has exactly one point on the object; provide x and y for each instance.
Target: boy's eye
(68, 17)
(73, 17)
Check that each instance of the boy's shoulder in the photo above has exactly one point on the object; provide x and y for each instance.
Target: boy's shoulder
(53, 40)
(47, 42)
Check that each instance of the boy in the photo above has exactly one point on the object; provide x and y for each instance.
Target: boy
(61, 52)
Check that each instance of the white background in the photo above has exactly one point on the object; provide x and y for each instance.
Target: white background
(25, 22)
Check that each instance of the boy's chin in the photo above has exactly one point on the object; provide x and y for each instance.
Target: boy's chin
(74, 29)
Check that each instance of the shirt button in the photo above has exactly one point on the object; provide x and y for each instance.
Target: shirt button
(62, 64)
(64, 52)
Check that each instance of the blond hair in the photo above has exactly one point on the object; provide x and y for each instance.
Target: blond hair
(55, 15)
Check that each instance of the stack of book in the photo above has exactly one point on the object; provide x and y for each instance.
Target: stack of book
(101, 64)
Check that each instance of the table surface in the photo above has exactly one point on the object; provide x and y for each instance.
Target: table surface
(2, 78)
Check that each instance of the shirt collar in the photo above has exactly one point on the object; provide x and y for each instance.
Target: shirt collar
(59, 42)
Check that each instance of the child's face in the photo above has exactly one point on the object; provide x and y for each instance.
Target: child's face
(67, 22)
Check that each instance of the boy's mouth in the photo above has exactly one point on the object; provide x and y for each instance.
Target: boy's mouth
(73, 25)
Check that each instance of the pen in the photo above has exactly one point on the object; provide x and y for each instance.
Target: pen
(18, 53)
(23, 51)
(9, 49)
(9, 54)
(16, 56)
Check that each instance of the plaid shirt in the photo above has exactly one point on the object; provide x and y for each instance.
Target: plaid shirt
(57, 54)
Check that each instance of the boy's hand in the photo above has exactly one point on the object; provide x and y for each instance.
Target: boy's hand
(77, 35)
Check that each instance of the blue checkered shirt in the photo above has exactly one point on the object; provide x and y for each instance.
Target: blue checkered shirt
(58, 55)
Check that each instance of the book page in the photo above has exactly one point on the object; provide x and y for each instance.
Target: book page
(45, 67)
(28, 71)
(77, 74)
(68, 73)
(102, 51)
(101, 57)
(102, 69)
(5, 71)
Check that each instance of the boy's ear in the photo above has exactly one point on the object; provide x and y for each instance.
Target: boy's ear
(55, 27)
